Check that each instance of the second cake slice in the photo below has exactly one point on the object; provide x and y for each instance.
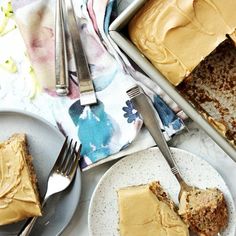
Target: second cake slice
(19, 197)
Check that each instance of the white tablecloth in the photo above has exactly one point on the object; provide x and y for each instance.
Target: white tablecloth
(194, 139)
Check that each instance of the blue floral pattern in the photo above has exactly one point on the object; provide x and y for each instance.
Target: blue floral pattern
(169, 119)
(130, 113)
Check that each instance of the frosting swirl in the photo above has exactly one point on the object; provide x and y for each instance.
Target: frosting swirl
(176, 35)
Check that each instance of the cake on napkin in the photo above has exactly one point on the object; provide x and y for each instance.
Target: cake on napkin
(19, 196)
(147, 210)
(176, 35)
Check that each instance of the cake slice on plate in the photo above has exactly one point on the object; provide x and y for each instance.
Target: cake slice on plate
(147, 210)
(19, 197)
(205, 211)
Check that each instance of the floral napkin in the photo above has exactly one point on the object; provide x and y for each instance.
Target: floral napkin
(104, 129)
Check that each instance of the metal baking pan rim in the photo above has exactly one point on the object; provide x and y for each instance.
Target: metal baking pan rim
(126, 45)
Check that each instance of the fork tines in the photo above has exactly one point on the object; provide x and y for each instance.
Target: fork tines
(68, 158)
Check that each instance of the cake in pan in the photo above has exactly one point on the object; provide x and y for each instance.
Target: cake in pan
(19, 197)
(192, 43)
(211, 88)
(176, 35)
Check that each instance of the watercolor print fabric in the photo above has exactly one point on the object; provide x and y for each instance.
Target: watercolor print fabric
(113, 123)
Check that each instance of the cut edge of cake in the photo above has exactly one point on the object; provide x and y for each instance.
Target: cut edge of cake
(30, 167)
(205, 218)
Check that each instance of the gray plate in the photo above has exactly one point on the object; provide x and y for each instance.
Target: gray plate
(45, 142)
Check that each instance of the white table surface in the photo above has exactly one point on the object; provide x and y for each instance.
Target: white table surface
(194, 140)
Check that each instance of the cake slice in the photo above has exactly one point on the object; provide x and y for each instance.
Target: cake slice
(147, 210)
(205, 211)
(19, 196)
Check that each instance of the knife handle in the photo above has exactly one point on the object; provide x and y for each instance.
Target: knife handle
(61, 64)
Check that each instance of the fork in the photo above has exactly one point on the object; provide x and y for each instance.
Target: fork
(145, 108)
(60, 177)
(143, 105)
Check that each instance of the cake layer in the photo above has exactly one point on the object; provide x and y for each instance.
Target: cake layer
(176, 35)
(211, 88)
(142, 213)
(205, 211)
(18, 192)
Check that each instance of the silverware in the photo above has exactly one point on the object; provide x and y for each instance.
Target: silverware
(61, 64)
(60, 177)
(144, 106)
(87, 92)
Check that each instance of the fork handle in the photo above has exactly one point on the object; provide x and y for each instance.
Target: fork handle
(28, 226)
(144, 106)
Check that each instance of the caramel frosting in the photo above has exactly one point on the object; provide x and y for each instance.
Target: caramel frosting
(18, 198)
(176, 35)
(141, 213)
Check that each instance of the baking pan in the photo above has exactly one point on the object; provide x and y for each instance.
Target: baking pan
(117, 32)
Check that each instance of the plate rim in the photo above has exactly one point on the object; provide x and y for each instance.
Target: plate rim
(33, 115)
(57, 131)
(151, 148)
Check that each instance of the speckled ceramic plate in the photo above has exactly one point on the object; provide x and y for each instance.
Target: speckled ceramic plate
(142, 168)
(45, 142)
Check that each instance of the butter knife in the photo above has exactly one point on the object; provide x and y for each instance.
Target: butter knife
(87, 92)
